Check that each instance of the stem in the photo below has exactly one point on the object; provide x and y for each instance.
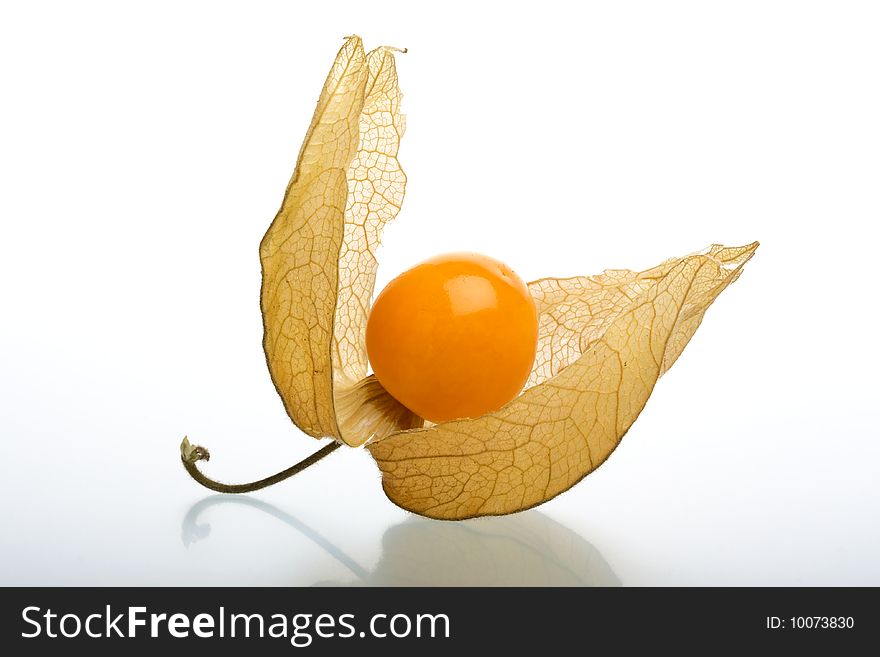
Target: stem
(191, 454)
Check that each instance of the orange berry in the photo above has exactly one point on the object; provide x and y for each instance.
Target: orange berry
(453, 337)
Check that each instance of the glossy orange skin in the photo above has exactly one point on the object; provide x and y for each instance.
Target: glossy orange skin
(453, 337)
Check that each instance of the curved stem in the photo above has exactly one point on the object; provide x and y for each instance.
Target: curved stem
(191, 454)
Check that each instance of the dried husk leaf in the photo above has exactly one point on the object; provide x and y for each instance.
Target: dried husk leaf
(318, 256)
(603, 343)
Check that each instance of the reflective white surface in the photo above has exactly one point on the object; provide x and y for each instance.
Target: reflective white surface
(144, 152)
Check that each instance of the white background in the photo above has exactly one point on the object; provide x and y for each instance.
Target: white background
(144, 148)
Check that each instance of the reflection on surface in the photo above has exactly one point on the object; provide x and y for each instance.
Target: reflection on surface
(525, 549)
(192, 531)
